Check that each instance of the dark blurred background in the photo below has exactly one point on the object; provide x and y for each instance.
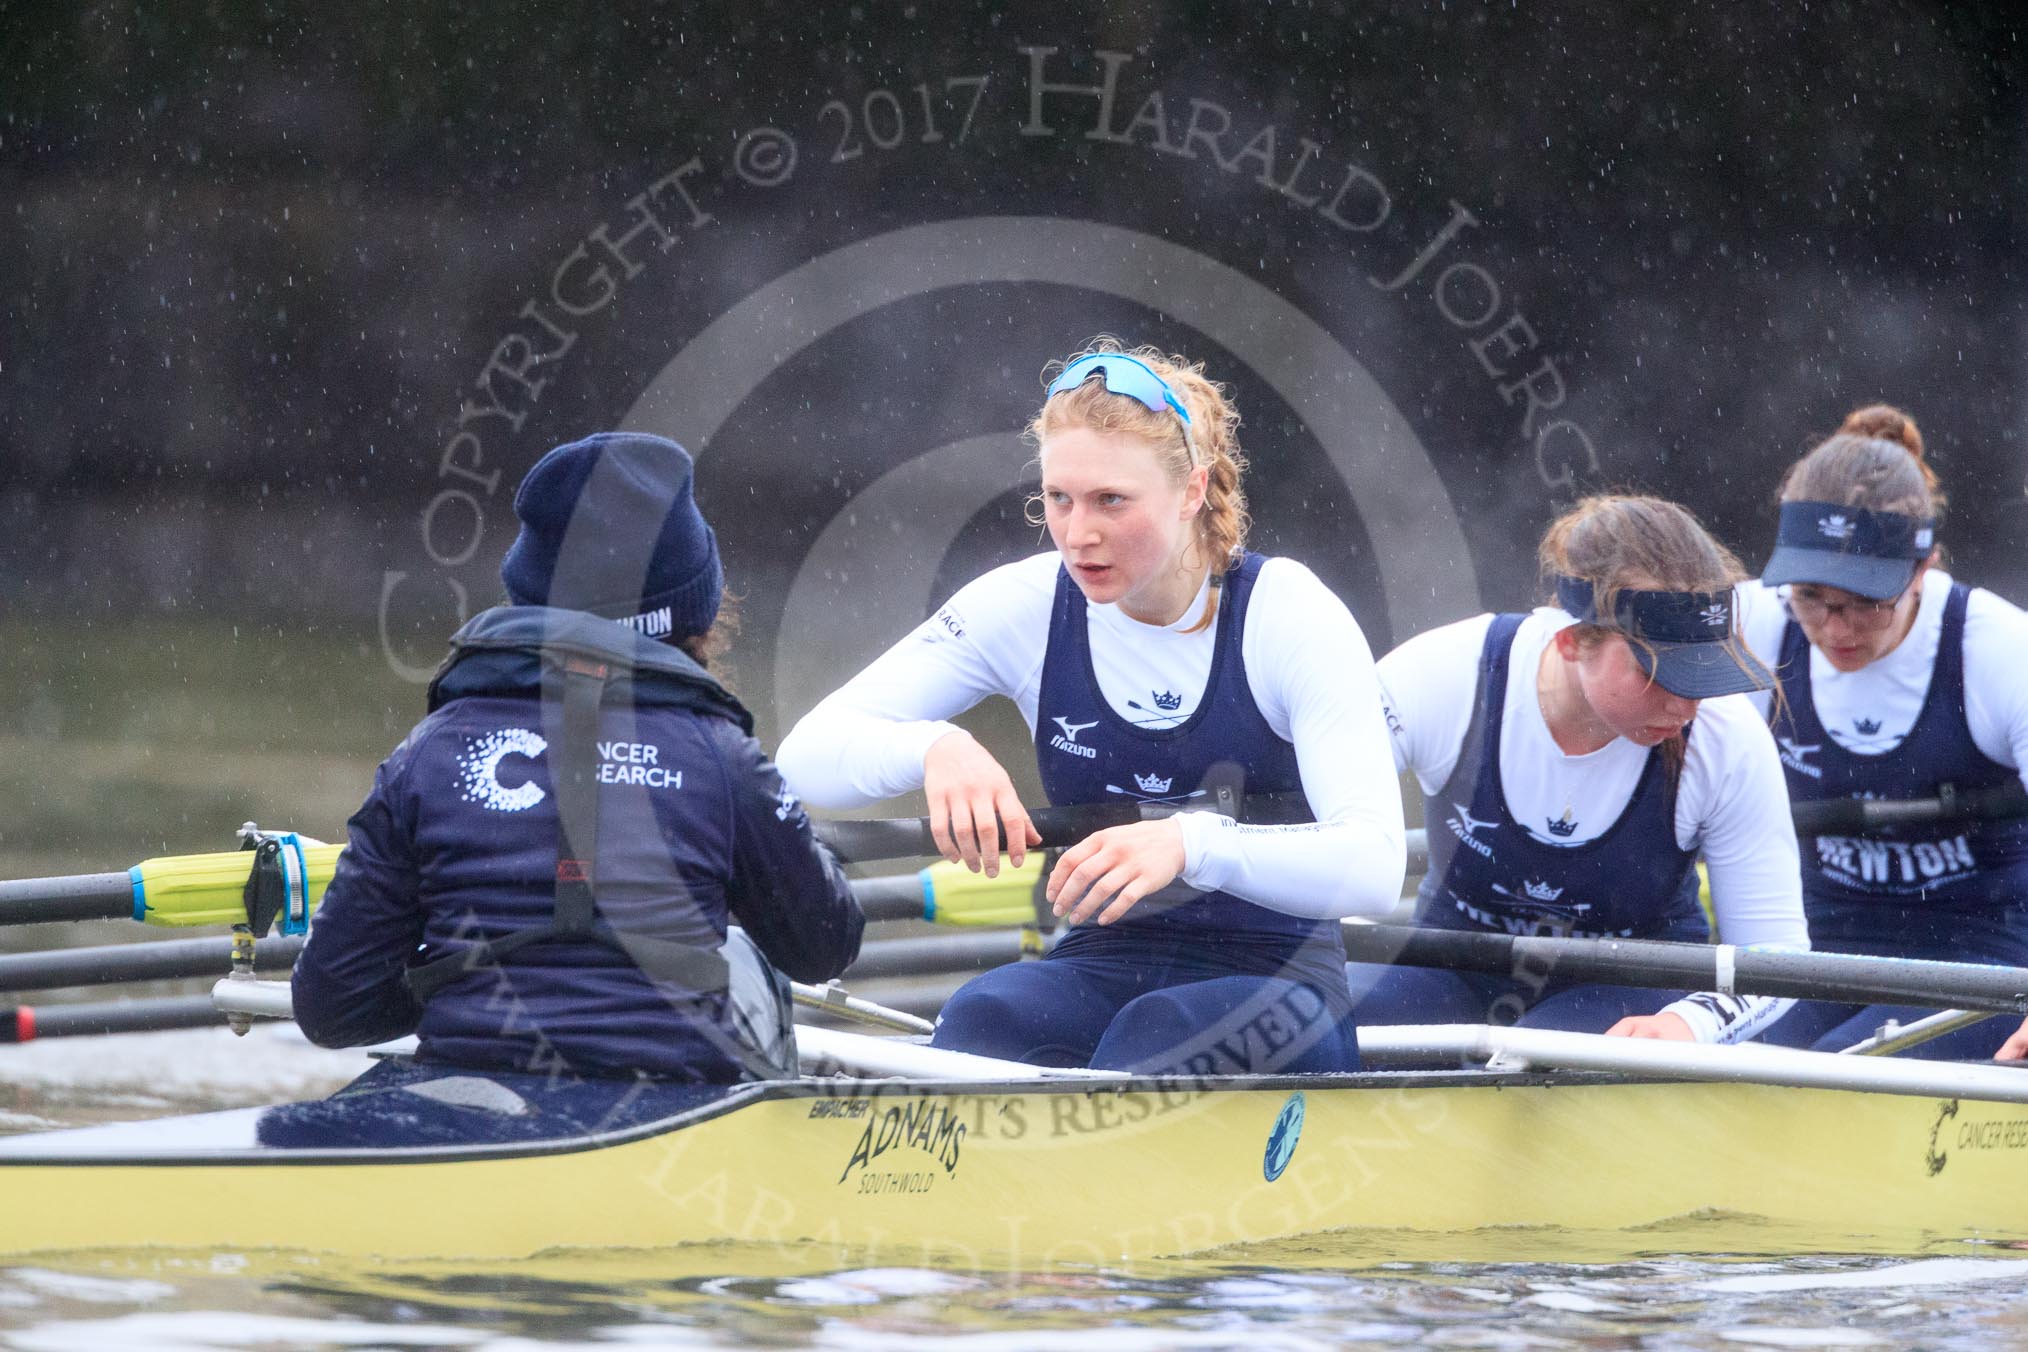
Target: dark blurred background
(282, 278)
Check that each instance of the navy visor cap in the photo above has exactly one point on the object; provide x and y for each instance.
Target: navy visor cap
(1870, 554)
(1680, 637)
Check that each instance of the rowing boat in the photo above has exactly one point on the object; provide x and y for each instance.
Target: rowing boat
(1027, 1168)
(1581, 1147)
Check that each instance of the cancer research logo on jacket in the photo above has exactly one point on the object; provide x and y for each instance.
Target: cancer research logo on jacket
(1836, 526)
(479, 768)
(1067, 739)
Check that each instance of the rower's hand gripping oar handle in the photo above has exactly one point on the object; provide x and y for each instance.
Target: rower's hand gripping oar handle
(858, 842)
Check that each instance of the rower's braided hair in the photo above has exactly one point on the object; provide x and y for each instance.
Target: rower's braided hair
(1618, 542)
(1214, 432)
(1874, 460)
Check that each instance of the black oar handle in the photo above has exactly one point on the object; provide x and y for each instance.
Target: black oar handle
(1845, 977)
(910, 838)
(1857, 816)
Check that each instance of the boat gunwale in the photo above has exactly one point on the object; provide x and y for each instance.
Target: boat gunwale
(744, 1095)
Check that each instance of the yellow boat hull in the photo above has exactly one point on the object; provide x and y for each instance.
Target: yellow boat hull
(1022, 1175)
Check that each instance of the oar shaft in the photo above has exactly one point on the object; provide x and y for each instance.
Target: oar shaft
(1858, 816)
(26, 1023)
(899, 897)
(86, 896)
(162, 961)
(1672, 966)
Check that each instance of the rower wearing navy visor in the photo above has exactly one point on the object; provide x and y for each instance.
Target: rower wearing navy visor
(1575, 761)
(1155, 658)
(1898, 682)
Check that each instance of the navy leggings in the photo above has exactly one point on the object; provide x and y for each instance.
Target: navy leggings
(1393, 995)
(1159, 1007)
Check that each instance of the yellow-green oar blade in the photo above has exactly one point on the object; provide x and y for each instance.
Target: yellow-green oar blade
(954, 895)
(210, 889)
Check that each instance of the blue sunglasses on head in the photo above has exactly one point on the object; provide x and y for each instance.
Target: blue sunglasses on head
(1122, 374)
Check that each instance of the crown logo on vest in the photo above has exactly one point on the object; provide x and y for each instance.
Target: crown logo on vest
(1541, 891)
(1154, 783)
(1564, 825)
(1836, 526)
(1866, 726)
(1716, 616)
(1166, 702)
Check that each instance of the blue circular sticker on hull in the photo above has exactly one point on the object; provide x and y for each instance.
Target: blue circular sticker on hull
(1281, 1145)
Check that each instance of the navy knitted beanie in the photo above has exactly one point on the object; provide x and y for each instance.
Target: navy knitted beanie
(608, 525)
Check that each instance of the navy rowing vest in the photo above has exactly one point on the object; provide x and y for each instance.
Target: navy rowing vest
(1487, 873)
(1906, 877)
(1089, 754)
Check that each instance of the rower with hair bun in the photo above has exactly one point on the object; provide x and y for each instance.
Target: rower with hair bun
(1157, 662)
(1898, 682)
(1575, 760)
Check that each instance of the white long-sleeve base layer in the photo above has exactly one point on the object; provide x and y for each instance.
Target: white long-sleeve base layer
(1732, 803)
(1307, 664)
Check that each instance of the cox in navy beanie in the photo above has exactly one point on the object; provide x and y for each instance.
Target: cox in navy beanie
(608, 525)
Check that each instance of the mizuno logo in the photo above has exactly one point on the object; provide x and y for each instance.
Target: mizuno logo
(1070, 729)
(1795, 756)
(1154, 783)
(1466, 828)
(1836, 526)
(1866, 726)
(1165, 701)
(1470, 824)
(1067, 739)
